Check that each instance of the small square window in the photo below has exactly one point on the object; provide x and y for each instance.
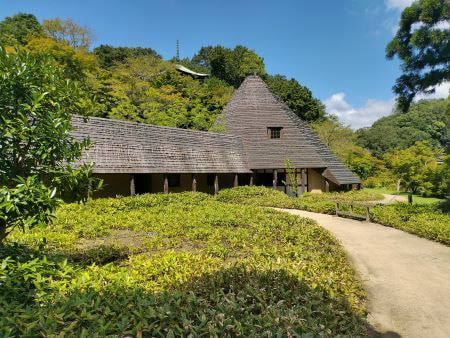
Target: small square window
(274, 132)
(173, 180)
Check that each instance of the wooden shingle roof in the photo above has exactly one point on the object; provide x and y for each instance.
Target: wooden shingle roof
(127, 147)
(249, 114)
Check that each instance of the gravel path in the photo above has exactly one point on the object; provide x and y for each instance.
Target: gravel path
(407, 278)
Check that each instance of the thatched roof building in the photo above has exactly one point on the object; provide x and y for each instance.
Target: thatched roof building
(258, 133)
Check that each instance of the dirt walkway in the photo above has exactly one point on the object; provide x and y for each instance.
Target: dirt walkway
(407, 278)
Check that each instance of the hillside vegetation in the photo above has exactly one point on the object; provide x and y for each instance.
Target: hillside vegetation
(177, 264)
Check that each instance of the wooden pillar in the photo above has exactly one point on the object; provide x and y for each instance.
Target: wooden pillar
(327, 186)
(252, 179)
(216, 184)
(194, 183)
(132, 186)
(304, 188)
(275, 178)
(236, 180)
(166, 184)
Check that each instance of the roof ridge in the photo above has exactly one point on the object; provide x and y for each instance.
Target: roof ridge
(153, 125)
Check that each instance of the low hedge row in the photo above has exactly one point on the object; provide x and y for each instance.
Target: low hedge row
(423, 220)
(177, 265)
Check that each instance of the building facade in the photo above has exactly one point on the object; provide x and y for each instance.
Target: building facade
(257, 134)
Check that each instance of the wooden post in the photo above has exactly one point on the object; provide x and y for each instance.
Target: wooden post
(350, 209)
(327, 186)
(132, 186)
(194, 183)
(166, 184)
(303, 171)
(337, 209)
(367, 214)
(275, 178)
(410, 197)
(252, 179)
(216, 184)
(236, 180)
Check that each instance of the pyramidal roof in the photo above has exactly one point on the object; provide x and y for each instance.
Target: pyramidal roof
(254, 109)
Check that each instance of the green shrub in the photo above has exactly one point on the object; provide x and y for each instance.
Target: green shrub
(197, 267)
(423, 220)
(314, 202)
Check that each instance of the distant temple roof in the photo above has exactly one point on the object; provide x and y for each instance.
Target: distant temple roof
(187, 71)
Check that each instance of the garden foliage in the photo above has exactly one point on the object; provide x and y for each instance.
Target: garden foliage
(197, 267)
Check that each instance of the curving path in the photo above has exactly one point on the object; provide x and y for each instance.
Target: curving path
(407, 278)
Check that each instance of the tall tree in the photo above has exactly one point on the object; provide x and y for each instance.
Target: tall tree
(16, 29)
(230, 65)
(68, 31)
(297, 97)
(36, 149)
(422, 44)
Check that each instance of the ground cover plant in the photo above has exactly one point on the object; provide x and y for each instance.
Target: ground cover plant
(177, 264)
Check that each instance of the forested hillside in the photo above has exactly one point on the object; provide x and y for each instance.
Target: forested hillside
(137, 84)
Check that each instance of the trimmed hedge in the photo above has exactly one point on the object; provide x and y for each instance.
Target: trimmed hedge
(177, 265)
(426, 220)
(267, 197)
(422, 220)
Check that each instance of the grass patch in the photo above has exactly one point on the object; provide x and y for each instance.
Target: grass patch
(200, 267)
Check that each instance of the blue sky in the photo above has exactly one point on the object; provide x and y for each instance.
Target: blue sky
(336, 48)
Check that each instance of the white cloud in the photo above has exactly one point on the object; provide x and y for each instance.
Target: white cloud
(398, 4)
(440, 92)
(357, 117)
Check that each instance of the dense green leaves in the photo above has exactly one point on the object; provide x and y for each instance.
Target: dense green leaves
(109, 56)
(193, 266)
(230, 65)
(422, 44)
(426, 120)
(35, 145)
(297, 97)
(18, 28)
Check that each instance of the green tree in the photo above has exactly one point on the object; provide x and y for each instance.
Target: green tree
(342, 141)
(68, 31)
(17, 29)
(422, 44)
(416, 167)
(109, 56)
(297, 97)
(230, 65)
(36, 148)
(426, 120)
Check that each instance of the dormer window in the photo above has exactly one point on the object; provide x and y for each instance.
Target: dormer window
(274, 132)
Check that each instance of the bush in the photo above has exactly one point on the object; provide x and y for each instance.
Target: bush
(197, 267)
(422, 220)
(267, 197)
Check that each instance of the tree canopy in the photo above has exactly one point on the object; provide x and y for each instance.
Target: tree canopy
(422, 44)
(425, 120)
(16, 29)
(108, 55)
(68, 31)
(297, 97)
